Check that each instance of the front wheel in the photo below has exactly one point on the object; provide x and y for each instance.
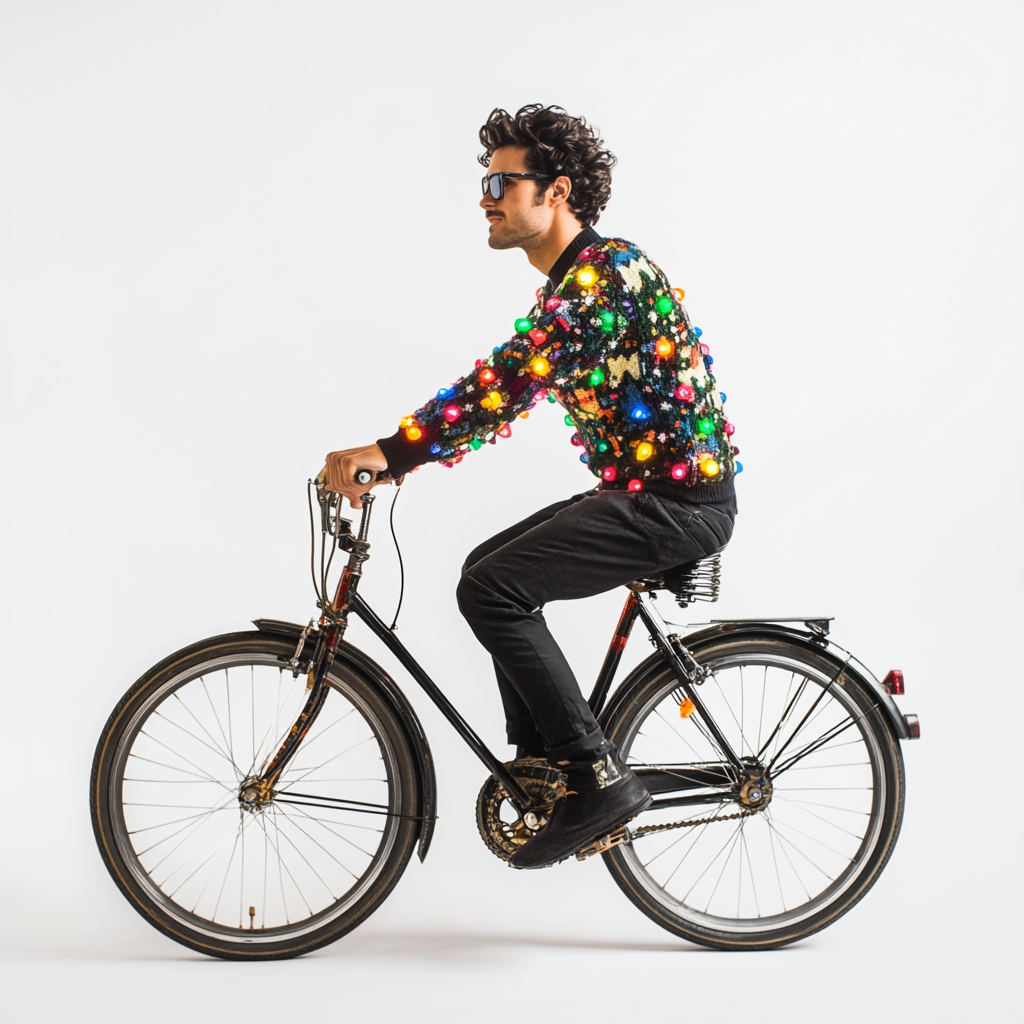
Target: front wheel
(761, 874)
(209, 864)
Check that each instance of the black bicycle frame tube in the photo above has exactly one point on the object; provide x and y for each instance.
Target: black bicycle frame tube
(614, 655)
(667, 647)
(515, 792)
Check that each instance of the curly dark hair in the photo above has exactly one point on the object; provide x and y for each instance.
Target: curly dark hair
(557, 144)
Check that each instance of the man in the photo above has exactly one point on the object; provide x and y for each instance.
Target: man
(609, 341)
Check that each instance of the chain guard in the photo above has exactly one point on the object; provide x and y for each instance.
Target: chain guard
(542, 783)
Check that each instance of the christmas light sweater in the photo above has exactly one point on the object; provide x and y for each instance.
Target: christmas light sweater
(609, 340)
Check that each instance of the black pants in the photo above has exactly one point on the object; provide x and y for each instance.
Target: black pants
(578, 547)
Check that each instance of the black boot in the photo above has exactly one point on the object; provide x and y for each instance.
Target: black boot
(601, 794)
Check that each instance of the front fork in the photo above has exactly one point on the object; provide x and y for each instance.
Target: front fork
(331, 628)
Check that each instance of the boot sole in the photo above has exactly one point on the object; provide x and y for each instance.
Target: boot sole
(605, 832)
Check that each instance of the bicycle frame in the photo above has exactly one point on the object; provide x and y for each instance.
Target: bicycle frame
(333, 623)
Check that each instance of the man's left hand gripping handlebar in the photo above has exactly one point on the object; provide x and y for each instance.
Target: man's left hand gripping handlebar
(344, 469)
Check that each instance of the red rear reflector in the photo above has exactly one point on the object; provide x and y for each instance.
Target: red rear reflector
(913, 724)
(893, 682)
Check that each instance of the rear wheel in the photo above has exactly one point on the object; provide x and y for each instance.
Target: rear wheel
(252, 878)
(834, 796)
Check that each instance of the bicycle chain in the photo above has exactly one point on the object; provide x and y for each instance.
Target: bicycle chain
(646, 830)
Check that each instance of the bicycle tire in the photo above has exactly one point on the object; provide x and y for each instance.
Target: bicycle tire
(184, 738)
(870, 792)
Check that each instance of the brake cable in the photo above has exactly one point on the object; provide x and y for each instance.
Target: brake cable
(398, 551)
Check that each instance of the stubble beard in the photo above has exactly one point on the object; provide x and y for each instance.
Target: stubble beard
(514, 236)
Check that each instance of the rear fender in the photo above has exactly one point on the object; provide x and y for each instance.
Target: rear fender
(813, 641)
(426, 812)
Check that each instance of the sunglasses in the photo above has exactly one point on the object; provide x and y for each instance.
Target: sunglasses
(495, 183)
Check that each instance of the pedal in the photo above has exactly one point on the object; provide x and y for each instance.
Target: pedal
(617, 838)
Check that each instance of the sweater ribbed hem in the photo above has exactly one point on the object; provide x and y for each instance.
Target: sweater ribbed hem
(722, 493)
(402, 454)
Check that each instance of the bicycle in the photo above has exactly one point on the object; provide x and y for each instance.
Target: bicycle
(258, 794)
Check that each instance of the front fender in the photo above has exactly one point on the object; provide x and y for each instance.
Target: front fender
(389, 689)
(841, 659)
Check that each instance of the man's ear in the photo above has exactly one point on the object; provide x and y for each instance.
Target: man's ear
(561, 188)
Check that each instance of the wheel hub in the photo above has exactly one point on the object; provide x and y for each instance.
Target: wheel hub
(755, 789)
(255, 793)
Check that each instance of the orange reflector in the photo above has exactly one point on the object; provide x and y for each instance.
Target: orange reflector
(687, 708)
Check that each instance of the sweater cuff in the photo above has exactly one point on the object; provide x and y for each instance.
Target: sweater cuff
(403, 454)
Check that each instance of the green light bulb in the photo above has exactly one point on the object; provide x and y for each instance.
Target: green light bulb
(568, 420)
(602, 446)
(524, 324)
(706, 425)
(476, 444)
(663, 304)
(596, 377)
(607, 321)
(551, 398)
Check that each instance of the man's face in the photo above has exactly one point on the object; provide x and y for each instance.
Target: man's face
(517, 217)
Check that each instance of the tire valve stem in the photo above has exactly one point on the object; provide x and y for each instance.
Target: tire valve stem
(687, 708)
(252, 918)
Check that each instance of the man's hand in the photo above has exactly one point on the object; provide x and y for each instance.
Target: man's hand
(343, 466)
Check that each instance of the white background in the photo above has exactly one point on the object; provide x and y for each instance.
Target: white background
(238, 235)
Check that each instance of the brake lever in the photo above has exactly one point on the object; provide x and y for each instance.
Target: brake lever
(331, 522)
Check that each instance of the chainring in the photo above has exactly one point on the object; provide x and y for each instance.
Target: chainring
(542, 783)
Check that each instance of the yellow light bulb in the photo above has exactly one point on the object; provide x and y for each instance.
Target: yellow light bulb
(540, 366)
(644, 451)
(413, 433)
(710, 467)
(586, 277)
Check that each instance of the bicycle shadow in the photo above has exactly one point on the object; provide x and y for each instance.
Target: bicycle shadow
(431, 945)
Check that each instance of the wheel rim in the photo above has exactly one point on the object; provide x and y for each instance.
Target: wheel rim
(259, 876)
(804, 853)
